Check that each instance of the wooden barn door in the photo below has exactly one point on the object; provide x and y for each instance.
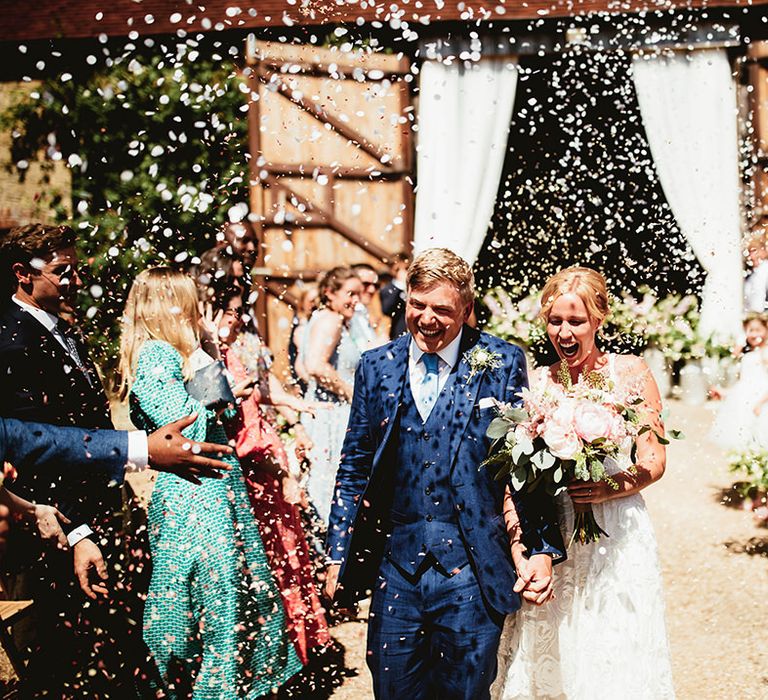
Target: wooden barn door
(331, 168)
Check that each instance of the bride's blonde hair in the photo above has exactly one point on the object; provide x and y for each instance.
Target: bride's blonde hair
(588, 284)
(162, 305)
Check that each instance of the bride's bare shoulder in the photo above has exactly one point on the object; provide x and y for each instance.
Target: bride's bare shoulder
(630, 363)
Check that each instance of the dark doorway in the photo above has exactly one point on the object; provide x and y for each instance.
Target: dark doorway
(579, 185)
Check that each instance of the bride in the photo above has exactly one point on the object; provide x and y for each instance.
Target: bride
(602, 635)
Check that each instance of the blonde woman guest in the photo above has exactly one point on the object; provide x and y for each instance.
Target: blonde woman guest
(603, 635)
(330, 355)
(213, 619)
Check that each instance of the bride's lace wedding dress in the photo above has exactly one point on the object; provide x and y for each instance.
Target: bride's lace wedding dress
(603, 635)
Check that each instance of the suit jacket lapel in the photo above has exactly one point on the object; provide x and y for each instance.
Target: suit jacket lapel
(465, 389)
(47, 339)
(391, 385)
(50, 344)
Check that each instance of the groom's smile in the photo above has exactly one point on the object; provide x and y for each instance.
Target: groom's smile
(435, 315)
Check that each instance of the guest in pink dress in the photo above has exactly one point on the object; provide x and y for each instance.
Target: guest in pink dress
(274, 493)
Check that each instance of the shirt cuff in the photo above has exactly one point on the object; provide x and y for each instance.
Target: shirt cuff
(79, 533)
(138, 451)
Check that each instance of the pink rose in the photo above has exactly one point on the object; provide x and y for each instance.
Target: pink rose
(564, 413)
(564, 444)
(593, 421)
(559, 435)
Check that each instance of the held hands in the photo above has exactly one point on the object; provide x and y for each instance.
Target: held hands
(90, 566)
(332, 580)
(170, 451)
(534, 578)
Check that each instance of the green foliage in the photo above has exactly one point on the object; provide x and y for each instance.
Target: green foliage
(752, 465)
(155, 141)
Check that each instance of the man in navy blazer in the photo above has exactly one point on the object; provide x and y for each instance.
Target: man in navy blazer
(414, 518)
(59, 449)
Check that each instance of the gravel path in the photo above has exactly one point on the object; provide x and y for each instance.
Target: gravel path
(715, 567)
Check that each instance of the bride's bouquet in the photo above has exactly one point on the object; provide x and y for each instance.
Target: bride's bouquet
(563, 432)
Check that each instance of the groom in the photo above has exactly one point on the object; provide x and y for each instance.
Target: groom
(415, 519)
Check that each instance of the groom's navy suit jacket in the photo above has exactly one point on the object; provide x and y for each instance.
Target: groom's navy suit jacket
(360, 522)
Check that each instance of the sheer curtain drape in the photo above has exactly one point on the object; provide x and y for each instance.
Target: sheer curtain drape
(464, 116)
(688, 106)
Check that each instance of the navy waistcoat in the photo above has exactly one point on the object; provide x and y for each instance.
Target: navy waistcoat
(423, 514)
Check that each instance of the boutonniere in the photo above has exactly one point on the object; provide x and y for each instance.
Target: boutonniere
(480, 358)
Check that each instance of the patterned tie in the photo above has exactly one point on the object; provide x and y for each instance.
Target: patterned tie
(429, 386)
(66, 333)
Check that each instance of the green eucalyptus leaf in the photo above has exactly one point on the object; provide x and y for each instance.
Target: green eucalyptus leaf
(497, 429)
(519, 478)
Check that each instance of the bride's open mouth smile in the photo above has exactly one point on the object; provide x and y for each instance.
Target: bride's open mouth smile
(569, 350)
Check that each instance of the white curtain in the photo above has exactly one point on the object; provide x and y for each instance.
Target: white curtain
(688, 106)
(464, 116)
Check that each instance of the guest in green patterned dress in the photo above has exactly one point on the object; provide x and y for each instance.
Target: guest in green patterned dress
(214, 620)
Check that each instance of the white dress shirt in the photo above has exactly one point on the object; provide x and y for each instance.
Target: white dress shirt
(446, 361)
(138, 448)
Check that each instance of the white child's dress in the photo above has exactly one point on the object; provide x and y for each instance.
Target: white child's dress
(736, 426)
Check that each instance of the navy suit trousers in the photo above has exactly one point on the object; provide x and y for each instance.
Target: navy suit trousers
(431, 635)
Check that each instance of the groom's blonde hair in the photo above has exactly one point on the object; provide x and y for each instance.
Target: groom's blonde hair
(437, 265)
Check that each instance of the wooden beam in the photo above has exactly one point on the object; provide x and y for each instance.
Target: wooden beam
(281, 293)
(341, 173)
(256, 192)
(327, 59)
(280, 274)
(330, 221)
(325, 117)
(406, 108)
(55, 19)
(345, 71)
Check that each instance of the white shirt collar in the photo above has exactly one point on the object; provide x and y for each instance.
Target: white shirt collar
(449, 354)
(48, 320)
